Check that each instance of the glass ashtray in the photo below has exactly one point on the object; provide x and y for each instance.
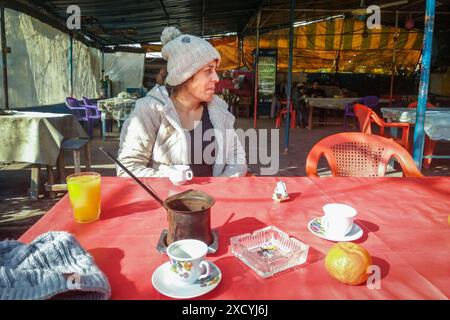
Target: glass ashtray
(269, 251)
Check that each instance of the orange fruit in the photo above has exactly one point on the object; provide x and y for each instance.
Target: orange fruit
(347, 262)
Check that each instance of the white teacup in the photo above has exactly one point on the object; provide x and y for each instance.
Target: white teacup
(188, 260)
(338, 219)
(179, 174)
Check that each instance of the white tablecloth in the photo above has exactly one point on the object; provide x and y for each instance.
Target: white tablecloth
(330, 103)
(437, 121)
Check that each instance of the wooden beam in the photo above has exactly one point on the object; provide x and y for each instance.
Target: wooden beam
(165, 11)
(252, 18)
(203, 18)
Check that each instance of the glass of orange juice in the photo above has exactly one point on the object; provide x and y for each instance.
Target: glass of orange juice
(84, 194)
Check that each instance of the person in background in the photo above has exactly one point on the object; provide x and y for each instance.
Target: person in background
(106, 87)
(317, 92)
(164, 131)
(280, 94)
(299, 100)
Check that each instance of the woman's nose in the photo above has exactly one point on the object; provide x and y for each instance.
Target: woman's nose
(215, 77)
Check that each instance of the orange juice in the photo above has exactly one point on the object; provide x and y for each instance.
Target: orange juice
(84, 194)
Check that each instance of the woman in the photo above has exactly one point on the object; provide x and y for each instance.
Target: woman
(163, 131)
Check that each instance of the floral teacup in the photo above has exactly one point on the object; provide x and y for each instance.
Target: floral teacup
(188, 260)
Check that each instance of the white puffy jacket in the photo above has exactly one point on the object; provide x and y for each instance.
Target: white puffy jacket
(152, 138)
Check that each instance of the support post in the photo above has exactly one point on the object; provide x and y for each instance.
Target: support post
(255, 104)
(4, 59)
(419, 134)
(394, 58)
(71, 64)
(289, 82)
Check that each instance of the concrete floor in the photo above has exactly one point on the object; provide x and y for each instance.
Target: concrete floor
(18, 213)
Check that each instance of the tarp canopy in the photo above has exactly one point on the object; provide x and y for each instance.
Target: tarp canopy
(337, 45)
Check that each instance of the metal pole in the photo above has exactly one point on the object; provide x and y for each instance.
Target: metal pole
(255, 104)
(71, 65)
(103, 64)
(419, 134)
(394, 58)
(289, 84)
(4, 60)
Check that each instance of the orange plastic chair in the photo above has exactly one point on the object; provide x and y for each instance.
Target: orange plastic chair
(367, 116)
(429, 144)
(356, 154)
(413, 105)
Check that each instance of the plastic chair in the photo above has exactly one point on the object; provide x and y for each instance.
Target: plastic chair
(80, 112)
(414, 104)
(94, 113)
(370, 101)
(283, 114)
(367, 116)
(429, 144)
(357, 154)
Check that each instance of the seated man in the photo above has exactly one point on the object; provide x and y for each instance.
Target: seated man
(317, 92)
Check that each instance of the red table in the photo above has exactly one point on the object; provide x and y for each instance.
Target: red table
(404, 222)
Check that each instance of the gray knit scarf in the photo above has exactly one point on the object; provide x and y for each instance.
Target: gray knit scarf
(53, 266)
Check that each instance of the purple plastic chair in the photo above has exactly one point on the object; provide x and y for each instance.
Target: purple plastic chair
(94, 113)
(370, 101)
(82, 113)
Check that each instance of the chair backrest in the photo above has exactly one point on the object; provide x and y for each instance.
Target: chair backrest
(370, 101)
(414, 104)
(357, 154)
(88, 101)
(72, 102)
(363, 114)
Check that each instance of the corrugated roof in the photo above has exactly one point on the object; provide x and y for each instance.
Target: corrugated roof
(119, 22)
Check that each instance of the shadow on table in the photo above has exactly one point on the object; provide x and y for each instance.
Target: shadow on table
(109, 261)
(234, 228)
(129, 209)
(382, 264)
(367, 227)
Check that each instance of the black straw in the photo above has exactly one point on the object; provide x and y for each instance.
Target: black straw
(143, 185)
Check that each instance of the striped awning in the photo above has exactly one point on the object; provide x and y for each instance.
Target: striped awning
(338, 45)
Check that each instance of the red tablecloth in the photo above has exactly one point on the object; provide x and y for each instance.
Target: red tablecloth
(404, 222)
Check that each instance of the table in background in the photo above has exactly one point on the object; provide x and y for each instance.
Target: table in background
(437, 121)
(326, 103)
(116, 109)
(35, 138)
(404, 222)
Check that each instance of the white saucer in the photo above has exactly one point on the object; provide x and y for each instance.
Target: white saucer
(164, 282)
(315, 226)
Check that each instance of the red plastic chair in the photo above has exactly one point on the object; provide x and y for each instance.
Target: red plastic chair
(356, 154)
(413, 105)
(283, 113)
(429, 144)
(367, 116)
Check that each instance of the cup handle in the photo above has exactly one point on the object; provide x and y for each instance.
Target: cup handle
(207, 268)
(189, 175)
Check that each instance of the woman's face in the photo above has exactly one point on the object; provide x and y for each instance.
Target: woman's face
(202, 85)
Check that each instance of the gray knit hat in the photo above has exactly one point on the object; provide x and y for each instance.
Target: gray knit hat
(54, 265)
(185, 55)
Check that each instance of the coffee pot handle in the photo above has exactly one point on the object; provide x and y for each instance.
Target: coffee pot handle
(207, 270)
